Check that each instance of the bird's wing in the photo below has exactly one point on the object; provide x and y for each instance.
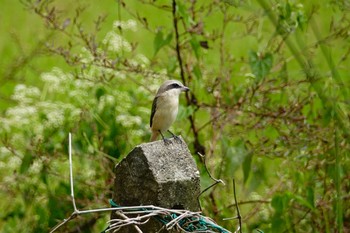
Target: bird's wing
(154, 107)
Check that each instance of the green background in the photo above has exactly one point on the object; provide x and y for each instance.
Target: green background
(269, 106)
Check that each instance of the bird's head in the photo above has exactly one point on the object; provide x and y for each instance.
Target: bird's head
(172, 87)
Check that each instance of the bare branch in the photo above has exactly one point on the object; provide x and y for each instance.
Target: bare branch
(206, 168)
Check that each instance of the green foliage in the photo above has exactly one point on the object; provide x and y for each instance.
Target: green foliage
(269, 104)
(260, 64)
(161, 41)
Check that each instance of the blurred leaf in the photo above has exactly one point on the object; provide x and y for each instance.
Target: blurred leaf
(100, 92)
(184, 13)
(284, 72)
(277, 203)
(161, 41)
(235, 3)
(54, 207)
(280, 202)
(43, 216)
(310, 196)
(278, 224)
(260, 64)
(195, 46)
(44, 174)
(234, 154)
(258, 176)
(302, 201)
(197, 72)
(288, 10)
(26, 162)
(328, 114)
(271, 133)
(184, 112)
(247, 164)
(172, 64)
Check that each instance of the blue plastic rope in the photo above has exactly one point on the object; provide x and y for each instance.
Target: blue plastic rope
(112, 203)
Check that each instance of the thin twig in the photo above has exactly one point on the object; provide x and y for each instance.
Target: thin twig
(63, 222)
(177, 42)
(206, 168)
(249, 202)
(237, 208)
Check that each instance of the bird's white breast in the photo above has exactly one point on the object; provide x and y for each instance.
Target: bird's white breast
(166, 111)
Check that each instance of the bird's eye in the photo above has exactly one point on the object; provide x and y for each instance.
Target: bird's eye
(175, 85)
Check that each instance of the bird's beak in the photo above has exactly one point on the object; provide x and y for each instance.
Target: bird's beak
(185, 89)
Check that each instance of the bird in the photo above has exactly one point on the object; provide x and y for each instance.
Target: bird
(165, 107)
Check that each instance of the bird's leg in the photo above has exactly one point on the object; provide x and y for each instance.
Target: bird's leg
(165, 140)
(175, 137)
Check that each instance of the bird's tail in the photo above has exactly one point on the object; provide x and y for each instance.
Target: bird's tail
(154, 136)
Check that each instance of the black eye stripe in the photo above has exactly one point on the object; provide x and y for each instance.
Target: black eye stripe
(173, 86)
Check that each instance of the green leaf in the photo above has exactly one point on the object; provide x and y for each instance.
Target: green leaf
(184, 112)
(234, 3)
(288, 11)
(235, 153)
(247, 164)
(26, 162)
(280, 202)
(310, 196)
(260, 64)
(172, 64)
(197, 71)
(184, 13)
(277, 203)
(271, 133)
(302, 201)
(278, 224)
(100, 92)
(195, 46)
(284, 72)
(161, 41)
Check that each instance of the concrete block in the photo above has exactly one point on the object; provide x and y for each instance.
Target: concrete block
(157, 174)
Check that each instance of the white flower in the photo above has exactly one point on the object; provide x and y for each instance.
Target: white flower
(55, 118)
(24, 94)
(35, 167)
(21, 115)
(129, 121)
(142, 59)
(116, 43)
(86, 56)
(138, 132)
(119, 74)
(14, 162)
(126, 25)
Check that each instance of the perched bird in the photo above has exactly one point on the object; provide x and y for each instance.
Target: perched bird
(165, 107)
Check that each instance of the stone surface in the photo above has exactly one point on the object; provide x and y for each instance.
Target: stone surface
(157, 174)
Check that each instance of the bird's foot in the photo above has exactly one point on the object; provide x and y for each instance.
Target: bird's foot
(166, 141)
(177, 139)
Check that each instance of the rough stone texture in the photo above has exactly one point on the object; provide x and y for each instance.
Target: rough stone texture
(157, 174)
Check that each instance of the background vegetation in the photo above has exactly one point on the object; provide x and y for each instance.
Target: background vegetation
(269, 105)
